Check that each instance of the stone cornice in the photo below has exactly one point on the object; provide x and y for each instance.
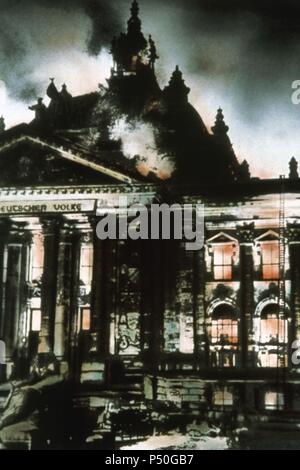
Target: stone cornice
(81, 191)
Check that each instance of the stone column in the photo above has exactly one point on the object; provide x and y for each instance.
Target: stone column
(64, 292)
(146, 296)
(110, 291)
(80, 340)
(160, 301)
(293, 233)
(246, 237)
(201, 340)
(93, 364)
(4, 231)
(50, 229)
(98, 319)
(14, 295)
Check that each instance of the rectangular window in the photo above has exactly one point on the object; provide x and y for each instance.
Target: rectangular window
(86, 271)
(270, 260)
(274, 401)
(222, 260)
(86, 264)
(222, 397)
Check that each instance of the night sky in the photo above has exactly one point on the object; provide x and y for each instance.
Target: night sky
(240, 55)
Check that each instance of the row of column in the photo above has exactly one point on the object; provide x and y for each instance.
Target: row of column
(62, 242)
(55, 293)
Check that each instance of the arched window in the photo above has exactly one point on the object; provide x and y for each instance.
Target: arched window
(224, 336)
(272, 337)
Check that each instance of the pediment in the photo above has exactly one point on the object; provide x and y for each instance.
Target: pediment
(222, 237)
(268, 236)
(28, 161)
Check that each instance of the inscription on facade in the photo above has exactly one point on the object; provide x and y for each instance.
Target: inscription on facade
(34, 207)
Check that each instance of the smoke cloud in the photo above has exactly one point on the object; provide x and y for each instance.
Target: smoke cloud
(240, 55)
(139, 141)
(34, 33)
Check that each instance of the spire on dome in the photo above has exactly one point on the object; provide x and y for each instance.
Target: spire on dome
(2, 125)
(220, 128)
(293, 164)
(177, 90)
(134, 9)
(134, 23)
(244, 171)
(129, 50)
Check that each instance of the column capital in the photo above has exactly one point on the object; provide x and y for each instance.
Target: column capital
(18, 232)
(245, 233)
(86, 237)
(50, 224)
(93, 220)
(293, 233)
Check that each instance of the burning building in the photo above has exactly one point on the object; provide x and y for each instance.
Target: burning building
(107, 340)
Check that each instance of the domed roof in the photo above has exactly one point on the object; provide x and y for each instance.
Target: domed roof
(145, 122)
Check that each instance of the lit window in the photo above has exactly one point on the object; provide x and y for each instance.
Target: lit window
(86, 264)
(222, 260)
(270, 260)
(37, 257)
(274, 401)
(272, 359)
(36, 320)
(272, 337)
(273, 329)
(224, 331)
(84, 319)
(223, 336)
(222, 397)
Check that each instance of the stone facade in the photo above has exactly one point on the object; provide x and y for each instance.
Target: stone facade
(113, 340)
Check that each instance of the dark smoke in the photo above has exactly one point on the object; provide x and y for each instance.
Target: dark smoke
(240, 54)
(253, 45)
(106, 22)
(31, 30)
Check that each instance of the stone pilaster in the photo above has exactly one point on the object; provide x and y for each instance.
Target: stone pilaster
(50, 229)
(98, 318)
(160, 257)
(146, 289)
(110, 293)
(80, 340)
(14, 293)
(293, 235)
(4, 231)
(201, 340)
(246, 237)
(104, 292)
(64, 291)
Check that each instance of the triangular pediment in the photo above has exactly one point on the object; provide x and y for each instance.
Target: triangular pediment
(268, 236)
(222, 237)
(29, 161)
